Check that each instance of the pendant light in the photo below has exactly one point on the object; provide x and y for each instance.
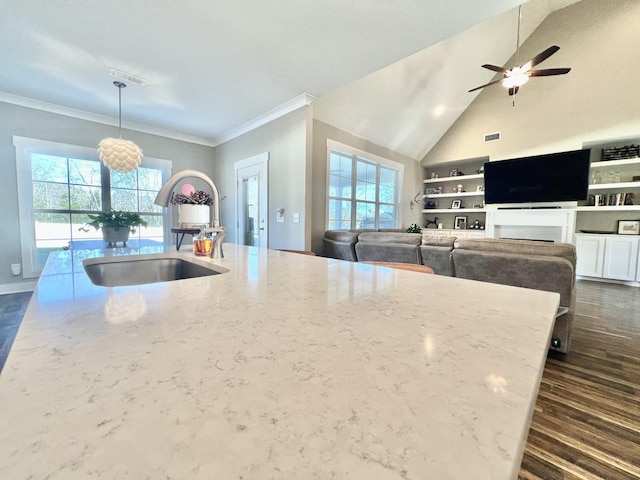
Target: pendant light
(117, 154)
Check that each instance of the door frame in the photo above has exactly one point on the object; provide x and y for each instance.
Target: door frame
(261, 163)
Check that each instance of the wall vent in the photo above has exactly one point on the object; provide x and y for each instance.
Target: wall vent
(492, 137)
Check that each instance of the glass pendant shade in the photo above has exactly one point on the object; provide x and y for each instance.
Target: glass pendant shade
(117, 154)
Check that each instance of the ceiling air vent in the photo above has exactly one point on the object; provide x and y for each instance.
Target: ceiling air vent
(492, 137)
(129, 77)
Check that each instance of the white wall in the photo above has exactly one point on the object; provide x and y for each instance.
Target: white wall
(412, 180)
(28, 122)
(285, 139)
(597, 100)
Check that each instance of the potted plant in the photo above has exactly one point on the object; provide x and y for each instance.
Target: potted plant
(116, 225)
(193, 208)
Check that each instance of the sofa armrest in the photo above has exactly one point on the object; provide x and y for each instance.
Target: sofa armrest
(340, 244)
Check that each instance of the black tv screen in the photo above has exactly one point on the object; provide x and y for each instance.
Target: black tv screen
(555, 177)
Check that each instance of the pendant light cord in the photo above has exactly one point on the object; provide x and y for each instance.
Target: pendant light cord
(120, 112)
(120, 86)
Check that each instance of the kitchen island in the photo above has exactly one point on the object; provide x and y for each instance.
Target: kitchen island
(286, 367)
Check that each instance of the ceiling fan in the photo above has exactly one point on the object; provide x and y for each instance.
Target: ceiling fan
(513, 78)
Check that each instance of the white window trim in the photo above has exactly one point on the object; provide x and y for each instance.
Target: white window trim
(334, 145)
(23, 147)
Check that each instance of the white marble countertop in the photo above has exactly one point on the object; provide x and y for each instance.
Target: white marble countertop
(287, 367)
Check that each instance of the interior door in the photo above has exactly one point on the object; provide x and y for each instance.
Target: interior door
(252, 195)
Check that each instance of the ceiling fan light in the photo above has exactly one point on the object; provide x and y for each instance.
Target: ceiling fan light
(120, 155)
(515, 81)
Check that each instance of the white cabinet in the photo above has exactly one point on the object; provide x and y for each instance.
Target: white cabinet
(613, 257)
(621, 257)
(449, 232)
(590, 253)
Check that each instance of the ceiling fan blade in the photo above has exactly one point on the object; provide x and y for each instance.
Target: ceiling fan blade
(547, 72)
(542, 56)
(494, 68)
(485, 85)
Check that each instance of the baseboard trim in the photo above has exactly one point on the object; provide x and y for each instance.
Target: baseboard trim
(608, 280)
(8, 288)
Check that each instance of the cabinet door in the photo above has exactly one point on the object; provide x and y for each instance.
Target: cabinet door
(621, 258)
(475, 233)
(638, 268)
(590, 255)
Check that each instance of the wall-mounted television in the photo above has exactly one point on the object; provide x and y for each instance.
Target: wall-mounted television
(554, 177)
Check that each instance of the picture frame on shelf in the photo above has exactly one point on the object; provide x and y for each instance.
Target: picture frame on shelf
(460, 223)
(456, 204)
(628, 227)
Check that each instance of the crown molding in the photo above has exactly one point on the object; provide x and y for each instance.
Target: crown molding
(280, 111)
(94, 117)
(295, 103)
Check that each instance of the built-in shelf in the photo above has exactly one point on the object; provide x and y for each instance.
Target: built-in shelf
(449, 195)
(456, 210)
(615, 163)
(619, 208)
(607, 186)
(476, 176)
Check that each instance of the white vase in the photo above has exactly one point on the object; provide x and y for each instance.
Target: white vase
(113, 235)
(193, 216)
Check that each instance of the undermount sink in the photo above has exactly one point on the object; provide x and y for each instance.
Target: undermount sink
(142, 269)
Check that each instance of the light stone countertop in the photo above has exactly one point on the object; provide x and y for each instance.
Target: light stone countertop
(287, 367)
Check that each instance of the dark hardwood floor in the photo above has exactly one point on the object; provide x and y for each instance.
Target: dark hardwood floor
(586, 424)
(12, 308)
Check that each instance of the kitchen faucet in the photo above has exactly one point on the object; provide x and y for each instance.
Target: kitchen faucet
(164, 199)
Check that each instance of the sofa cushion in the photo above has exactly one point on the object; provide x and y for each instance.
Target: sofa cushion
(387, 252)
(540, 272)
(388, 247)
(390, 237)
(438, 258)
(438, 240)
(519, 247)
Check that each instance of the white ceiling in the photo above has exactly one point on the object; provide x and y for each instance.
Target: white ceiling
(214, 67)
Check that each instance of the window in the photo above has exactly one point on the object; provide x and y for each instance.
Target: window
(364, 190)
(58, 185)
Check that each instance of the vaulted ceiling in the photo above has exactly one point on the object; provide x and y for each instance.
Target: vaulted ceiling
(213, 68)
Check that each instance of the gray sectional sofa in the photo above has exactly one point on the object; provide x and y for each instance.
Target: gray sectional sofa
(529, 264)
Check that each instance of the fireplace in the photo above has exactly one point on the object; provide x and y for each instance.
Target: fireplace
(554, 224)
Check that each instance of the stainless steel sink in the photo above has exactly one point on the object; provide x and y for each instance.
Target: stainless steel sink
(142, 269)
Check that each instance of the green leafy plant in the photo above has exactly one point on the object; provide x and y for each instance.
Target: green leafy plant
(414, 228)
(115, 219)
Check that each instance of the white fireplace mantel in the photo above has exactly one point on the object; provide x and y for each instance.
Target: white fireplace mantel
(552, 224)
